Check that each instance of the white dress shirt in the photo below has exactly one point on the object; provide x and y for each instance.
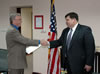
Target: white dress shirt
(73, 30)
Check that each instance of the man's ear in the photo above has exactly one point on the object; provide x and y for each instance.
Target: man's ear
(74, 20)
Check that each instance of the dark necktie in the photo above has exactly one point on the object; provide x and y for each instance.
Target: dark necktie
(68, 40)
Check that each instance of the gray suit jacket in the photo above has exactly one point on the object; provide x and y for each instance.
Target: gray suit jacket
(16, 45)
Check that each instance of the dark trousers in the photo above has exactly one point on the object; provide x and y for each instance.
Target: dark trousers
(16, 71)
(67, 66)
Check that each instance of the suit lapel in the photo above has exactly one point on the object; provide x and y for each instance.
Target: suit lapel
(75, 35)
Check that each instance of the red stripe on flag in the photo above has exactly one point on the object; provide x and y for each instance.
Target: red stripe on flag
(54, 54)
(53, 60)
(58, 65)
(52, 38)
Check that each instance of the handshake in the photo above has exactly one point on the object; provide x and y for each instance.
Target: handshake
(44, 42)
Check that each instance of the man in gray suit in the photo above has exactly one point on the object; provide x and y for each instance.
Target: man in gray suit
(16, 45)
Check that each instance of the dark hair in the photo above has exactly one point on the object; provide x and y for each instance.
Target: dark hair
(72, 15)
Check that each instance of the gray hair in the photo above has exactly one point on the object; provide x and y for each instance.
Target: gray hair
(13, 16)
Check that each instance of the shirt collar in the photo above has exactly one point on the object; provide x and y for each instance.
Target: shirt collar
(74, 28)
(16, 27)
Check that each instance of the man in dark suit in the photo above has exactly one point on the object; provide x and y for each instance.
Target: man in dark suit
(78, 46)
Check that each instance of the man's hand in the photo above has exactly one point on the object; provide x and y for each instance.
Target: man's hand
(87, 68)
(44, 42)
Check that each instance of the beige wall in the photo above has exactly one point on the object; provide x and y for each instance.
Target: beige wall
(88, 11)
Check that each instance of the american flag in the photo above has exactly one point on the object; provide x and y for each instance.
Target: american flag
(53, 54)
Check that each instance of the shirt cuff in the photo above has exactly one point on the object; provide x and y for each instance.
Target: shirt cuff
(48, 44)
(39, 41)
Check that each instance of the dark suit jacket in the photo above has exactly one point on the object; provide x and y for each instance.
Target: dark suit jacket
(81, 50)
